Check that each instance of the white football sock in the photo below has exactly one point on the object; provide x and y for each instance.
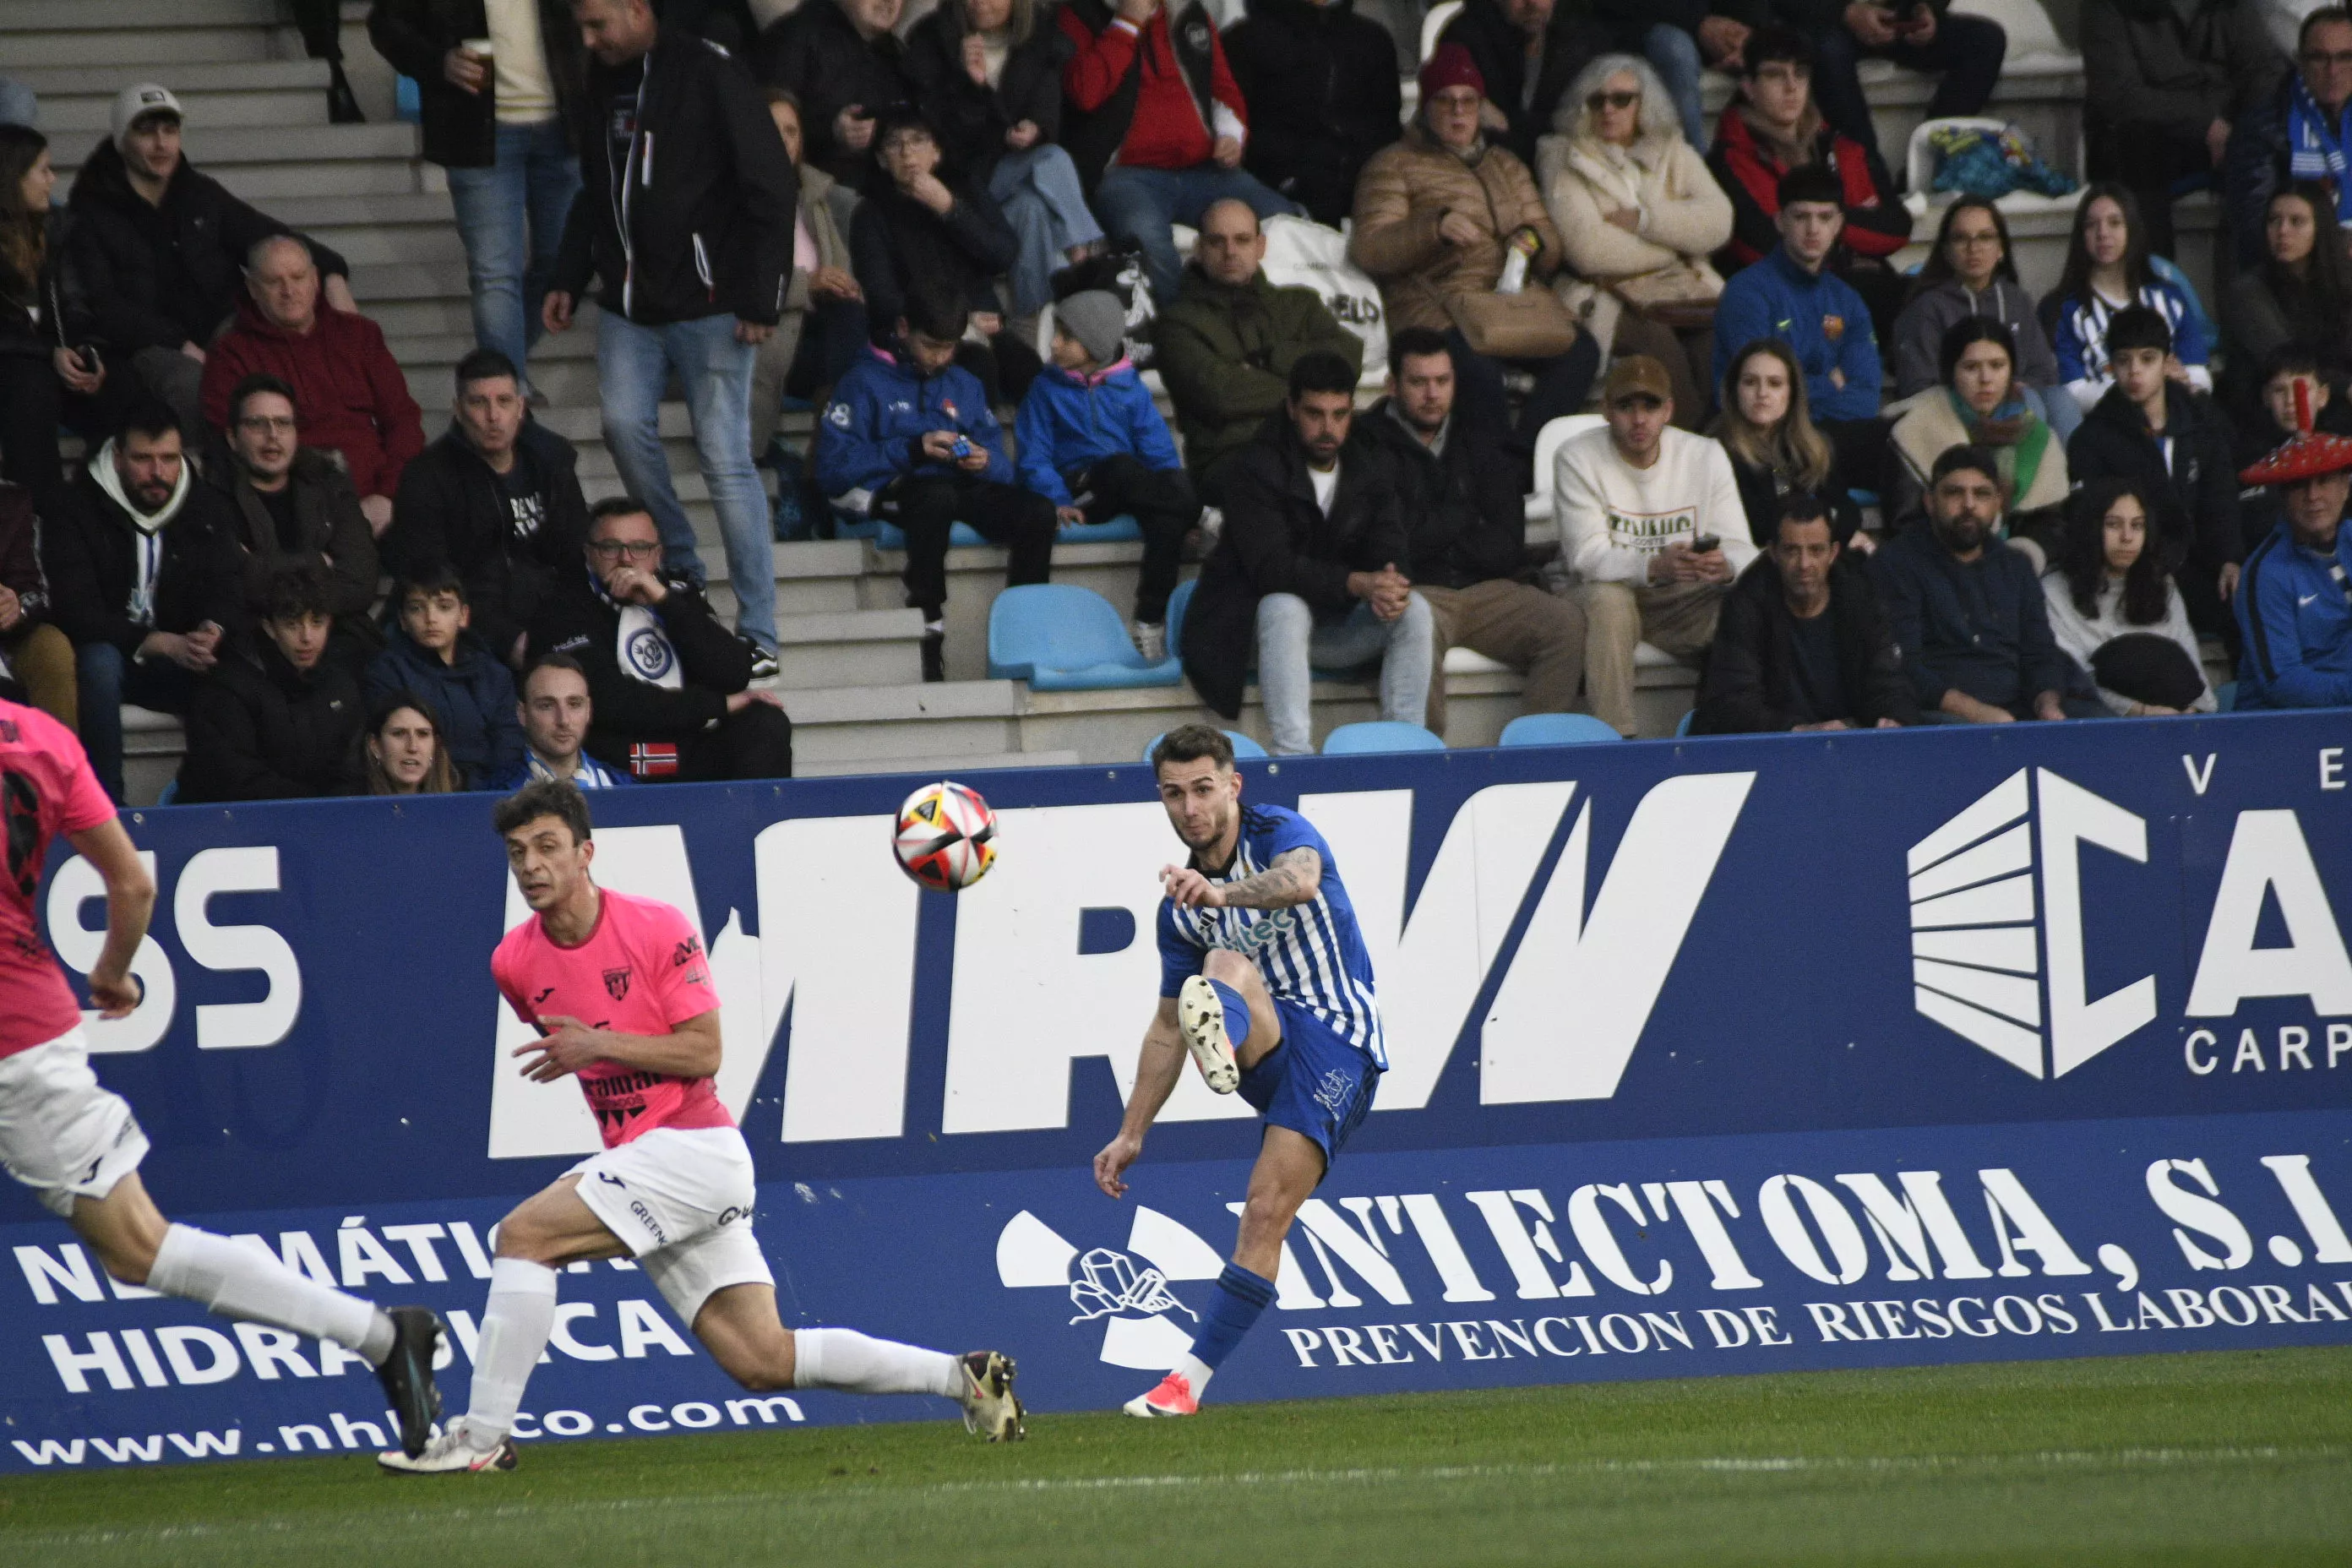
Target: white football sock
(516, 1321)
(1193, 1370)
(859, 1363)
(240, 1281)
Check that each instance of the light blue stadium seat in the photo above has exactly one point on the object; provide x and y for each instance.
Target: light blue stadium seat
(1178, 603)
(1861, 498)
(1683, 725)
(2225, 697)
(171, 792)
(1380, 735)
(1244, 749)
(1557, 730)
(1058, 636)
(1120, 530)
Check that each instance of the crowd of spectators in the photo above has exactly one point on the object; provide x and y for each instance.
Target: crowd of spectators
(879, 214)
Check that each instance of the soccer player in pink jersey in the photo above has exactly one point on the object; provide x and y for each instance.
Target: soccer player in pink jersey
(674, 1187)
(78, 1146)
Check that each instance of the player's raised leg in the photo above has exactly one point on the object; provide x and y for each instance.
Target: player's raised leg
(1228, 1018)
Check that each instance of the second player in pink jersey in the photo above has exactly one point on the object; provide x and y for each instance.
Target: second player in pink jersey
(621, 994)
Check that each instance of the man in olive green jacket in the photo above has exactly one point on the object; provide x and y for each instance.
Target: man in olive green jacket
(1225, 347)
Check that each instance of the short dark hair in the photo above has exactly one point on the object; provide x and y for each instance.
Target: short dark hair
(543, 797)
(1964, 456)
(1321, 369)
(939, 314)
(253, 387)
(1191, 743)
(1417, 342)
(1776, 46)
(293, 591)
(428, 578)
(551, 661)
(486, 364)
(145, 415)
(617, 506)
(2320, 18)
(2290, 358)
(2139, 326)
(897, 117)
(1808, 183)
(1970, 330)
(1804, 506)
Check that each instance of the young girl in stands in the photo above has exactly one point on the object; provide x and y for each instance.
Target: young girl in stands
(2108, 269)
(1775, 451)
(2115, 611)
(1972, 271)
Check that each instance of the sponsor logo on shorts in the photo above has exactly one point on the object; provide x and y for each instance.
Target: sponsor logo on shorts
(645, 1218)
(616, 984)
(608, 1177)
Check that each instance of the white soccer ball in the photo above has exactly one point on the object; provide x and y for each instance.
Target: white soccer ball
(946, 838)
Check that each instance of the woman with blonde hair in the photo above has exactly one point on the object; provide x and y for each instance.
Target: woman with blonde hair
(1776, 452)
(405, 753)
(1638, 213)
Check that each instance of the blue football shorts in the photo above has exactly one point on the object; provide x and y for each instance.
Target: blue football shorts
(1314, 1082)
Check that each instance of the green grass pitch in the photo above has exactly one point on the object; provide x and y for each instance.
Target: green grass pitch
(2235, 1457)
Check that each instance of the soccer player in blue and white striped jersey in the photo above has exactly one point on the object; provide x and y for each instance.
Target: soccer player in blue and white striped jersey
(1265, 983)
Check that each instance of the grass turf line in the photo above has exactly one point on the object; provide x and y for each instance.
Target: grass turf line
(2223, 1457)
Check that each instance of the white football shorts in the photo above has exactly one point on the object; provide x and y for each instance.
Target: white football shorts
(680, 1198)
(61, 1132)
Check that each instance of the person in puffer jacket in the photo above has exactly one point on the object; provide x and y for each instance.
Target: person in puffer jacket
(1092, 443)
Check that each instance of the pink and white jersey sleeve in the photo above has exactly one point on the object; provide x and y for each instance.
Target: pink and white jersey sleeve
(47, 788)
(641, 972)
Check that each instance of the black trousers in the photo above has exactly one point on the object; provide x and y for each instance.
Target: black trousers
(2149, 160)
(1162, 503)
(1966, 51)
(1861, 449)
(925, 505)
(756, 743)
(1005, 367)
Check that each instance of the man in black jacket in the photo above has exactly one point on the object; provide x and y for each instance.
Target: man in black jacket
(278, 720)
(1802, 642)
(296, 509)
(143, 577)
(498, 499)
(1466, 527)
(2266, 150)
(2151, 428)
(500, 122)
(159, 249)
(670, 687)
(1321, 84)
(1306, 571)
(1527, 51)
(693, 253)
(842, 60)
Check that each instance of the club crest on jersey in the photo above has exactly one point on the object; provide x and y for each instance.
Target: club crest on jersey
(616, 984)
(649, 653)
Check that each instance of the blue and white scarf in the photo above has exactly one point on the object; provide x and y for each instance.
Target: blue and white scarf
(2315, 149)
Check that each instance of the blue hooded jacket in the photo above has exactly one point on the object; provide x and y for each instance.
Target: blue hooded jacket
(881, 411)
(2297, 621)
(474, 700)
(1817, 314)
(1071, 421)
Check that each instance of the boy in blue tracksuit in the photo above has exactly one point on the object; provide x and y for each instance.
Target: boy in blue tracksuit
(909, 439)
(1793, 296)
(1092, 444)
(2294, 597)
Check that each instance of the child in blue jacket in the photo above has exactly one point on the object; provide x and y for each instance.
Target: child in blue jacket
(909, 439)
(1092, 443)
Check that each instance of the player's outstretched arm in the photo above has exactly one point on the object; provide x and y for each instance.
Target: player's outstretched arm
(1156, 1070)
(689, 1050)
(1293, 878)
(129, 901)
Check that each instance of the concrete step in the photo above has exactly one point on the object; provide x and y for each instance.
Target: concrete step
(132, 16)
(301, 102)
(190, 81)
(265, 164)
(855, 648)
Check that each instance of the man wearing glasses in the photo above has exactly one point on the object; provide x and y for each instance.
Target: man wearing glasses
(2302, 131)
(295, 508)
(668, 685)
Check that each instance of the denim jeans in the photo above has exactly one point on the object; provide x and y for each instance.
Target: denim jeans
(511, 216)
(1968, 50)
(1143, 205)
(1038, 189)
(107, 681)
(1292, 645)
(1672, 52)
(632, 368)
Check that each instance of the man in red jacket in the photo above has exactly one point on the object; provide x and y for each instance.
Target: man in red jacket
(350, 392)
(1155, 123)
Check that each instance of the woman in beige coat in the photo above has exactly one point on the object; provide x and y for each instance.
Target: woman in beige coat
(1438, 215)
(1634, 201)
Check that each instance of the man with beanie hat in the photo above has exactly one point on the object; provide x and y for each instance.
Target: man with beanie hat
(1092, 444)
(159, 249)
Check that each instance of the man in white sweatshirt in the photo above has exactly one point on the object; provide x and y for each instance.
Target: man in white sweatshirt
(1651, 530)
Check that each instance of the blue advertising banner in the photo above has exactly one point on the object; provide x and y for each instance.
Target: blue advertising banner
(1708, 1057)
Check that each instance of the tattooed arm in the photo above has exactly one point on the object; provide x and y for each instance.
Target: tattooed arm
(1293, 878)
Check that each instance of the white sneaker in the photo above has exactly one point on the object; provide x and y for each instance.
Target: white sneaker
(449, 1454)
(1201, 1019)
(1150, 639)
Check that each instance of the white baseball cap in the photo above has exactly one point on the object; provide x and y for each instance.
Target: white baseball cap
(147, 98)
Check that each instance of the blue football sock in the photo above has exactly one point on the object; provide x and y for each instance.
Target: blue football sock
(1237, 1022)
(1241, 1297)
